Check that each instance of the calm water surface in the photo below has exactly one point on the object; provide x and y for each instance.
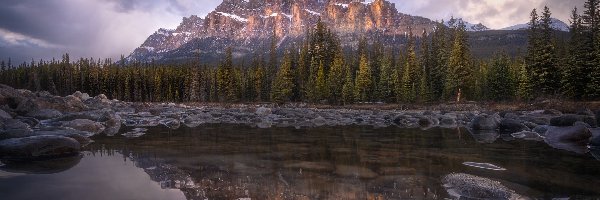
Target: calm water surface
(239, 162)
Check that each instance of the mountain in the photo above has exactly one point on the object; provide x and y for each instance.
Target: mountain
(469, 26)
(248, 26)
(556, 25)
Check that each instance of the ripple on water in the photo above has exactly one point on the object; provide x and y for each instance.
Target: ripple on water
(484, 166)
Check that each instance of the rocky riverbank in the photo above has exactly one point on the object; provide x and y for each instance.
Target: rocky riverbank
(37, 125)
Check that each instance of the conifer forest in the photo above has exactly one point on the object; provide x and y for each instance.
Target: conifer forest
(431, 67)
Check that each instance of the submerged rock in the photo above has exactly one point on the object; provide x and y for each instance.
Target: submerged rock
(484, 166)
(468, 186)
(574, 138)
(38, 147)
(528, 135)
(136, 132)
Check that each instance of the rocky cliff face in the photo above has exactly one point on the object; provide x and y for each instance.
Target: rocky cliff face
(249, 24)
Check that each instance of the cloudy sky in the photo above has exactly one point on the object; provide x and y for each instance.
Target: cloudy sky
(43, 29)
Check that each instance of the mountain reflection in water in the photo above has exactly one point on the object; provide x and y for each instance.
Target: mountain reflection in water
(232, 162)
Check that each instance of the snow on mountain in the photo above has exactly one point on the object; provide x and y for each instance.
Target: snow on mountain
(556, 24)
(469, 26)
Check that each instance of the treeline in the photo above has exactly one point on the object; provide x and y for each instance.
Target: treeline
(432, 67)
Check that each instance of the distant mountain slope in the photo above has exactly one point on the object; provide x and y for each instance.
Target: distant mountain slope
(556, 25)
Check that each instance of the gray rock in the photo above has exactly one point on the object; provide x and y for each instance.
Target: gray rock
(511, 126)
(112, 124)
(85, 125)
(44, 114)
(4, 115)
(573, 138)
(586, 111)
(484, 122)
(569, 120)
(38, 147)
(468, 186)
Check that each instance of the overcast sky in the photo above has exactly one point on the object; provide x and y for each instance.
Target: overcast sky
(42, 29)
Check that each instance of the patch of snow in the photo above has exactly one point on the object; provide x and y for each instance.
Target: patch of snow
(343, 5)
(149, 48)
(312, 12)
(232, 16)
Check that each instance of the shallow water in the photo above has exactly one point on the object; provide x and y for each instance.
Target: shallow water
(239, 162)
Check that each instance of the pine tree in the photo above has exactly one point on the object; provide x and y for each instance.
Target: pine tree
(591, 45)
(575, 75)
(363, 85)
(386, 86)
(410, 74)
(524, 88)
(348, 88)
(459, 72)
(500, 79)
(284, 82)
(226, 80)
(321, 85)
(335, 80)
(439, 61)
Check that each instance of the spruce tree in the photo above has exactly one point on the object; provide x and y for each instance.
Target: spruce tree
(459, 71)
(348, 88)
(500, 79)
(575, 75)
(284, 82)
(335, 80)
(364, 82)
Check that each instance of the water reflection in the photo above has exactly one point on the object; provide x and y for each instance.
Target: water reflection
(230, 162)
(41, 166)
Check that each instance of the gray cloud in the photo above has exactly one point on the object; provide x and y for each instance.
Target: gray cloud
(108, 28)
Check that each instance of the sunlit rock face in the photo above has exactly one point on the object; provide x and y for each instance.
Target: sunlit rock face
(249, 24)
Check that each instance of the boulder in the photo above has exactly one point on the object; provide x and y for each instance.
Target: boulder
(466, 186)
(484, 136)
(44, 114)
(511, 126)
(484, 122)
(569, 120)
(4, 115)
(11, 97)
(573, 138)
(112, 124)
(552, 112)
(85, 125)
(42, 146)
